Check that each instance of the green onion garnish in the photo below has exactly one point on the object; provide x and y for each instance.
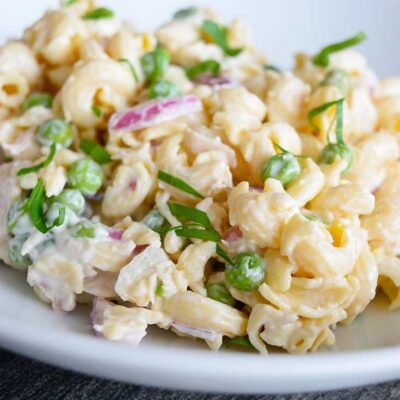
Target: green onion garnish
(95, 151)
(195, 223)
(99, 13)
(189, 214)
(322, 58)
(97, 111)
(69, 3)
(43, 164)
(185, 13)
(270, 67)
(178, 183)
(131, 67)
(194, 233)
(34, 208)
(319, 110)
(38, 99)
(219, 35)
(209, 66)
(159, 289)
(222, 253)
(242, 341)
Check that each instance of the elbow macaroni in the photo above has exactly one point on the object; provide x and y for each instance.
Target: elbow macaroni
(328, 238)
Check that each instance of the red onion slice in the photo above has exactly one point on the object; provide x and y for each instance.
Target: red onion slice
(154, 113)
(219, 82)
(195, 332)
(232, 234)
(115, 234)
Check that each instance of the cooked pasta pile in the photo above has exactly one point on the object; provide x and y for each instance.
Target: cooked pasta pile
(176, 178)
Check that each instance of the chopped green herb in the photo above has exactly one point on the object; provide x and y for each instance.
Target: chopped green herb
(178, 183)
(97, 111)
(159, 289)
(59, 220)
(34, 208)
(270, 67)
(210, 235)
(196, 224)
(69, 3)
(38, 99)
(163, 88)
(95, 151)
(322, 58)
(43, 164)
(312, 217)
(222, 253)
(242, 341)
(99, 13)
(187, 214)
(219, 35)
(319, 110)
(85, 232)
(332, 150)
(131, 67)
(185, 13)
(206, 67)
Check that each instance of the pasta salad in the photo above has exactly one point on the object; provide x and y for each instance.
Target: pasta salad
(176, 178)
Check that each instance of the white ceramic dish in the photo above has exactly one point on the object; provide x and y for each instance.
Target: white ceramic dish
(366, 352)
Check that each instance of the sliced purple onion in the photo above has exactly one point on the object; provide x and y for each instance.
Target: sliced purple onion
(154, 112)
(217, 82)
(195, 332)
(97, 315)
(115, 234)
(232, 234)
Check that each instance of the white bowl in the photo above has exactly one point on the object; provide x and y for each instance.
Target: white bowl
(365, 352)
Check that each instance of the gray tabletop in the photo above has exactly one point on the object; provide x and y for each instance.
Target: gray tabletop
(24, 379)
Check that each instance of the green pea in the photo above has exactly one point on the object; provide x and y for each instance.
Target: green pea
(163, 88)
(18, 221)
(154, 220)
(38, 99)
(154, 64)
(219, 292)
(88, 229)
(185, 13)
(56, 131)
(247, 272)
(14, 251)
(86, 175)
(332, 150)
(72, 198)
(285, 167)
(339, 78)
